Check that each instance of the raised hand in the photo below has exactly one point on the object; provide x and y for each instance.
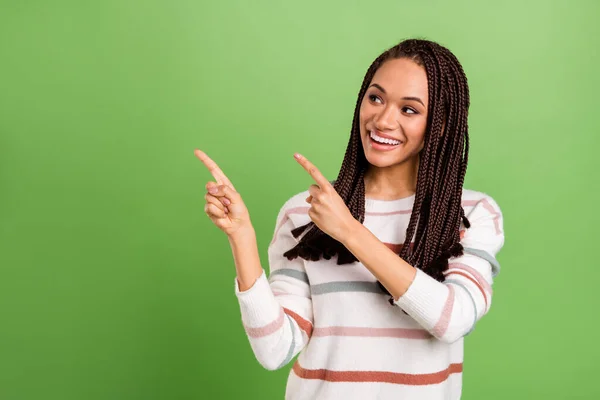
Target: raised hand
(224, 206)
(328, 210)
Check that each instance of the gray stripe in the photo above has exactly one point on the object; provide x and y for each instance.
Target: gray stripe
(352, 286)
(486, 256)
(292, 273)
(288, 357)
(457, 283)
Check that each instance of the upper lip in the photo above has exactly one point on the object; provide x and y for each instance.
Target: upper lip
(383, 135)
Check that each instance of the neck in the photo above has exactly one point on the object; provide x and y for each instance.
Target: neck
(393, 182)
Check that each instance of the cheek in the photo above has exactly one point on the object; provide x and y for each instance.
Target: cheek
(362, 115)
(416, 133)
(416, 128)
(365, 112)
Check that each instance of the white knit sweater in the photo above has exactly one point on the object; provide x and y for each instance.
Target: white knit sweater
(352, 343)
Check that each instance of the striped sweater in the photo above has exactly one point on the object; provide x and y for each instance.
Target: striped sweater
(350, 341)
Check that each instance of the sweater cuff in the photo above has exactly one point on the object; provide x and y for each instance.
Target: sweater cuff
(258, 304)
(421, 300)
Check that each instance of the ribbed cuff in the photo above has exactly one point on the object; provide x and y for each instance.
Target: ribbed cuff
(422, 299)
(258, 304)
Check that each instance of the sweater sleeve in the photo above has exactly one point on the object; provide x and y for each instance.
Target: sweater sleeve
(277, 311)
(450, 310)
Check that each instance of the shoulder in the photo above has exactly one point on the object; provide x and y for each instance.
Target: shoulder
(478, 204)
(297, 205)
(296, 200)
(486, 234)
(295, 210)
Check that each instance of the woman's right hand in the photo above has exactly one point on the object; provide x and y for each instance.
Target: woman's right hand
(224, 206)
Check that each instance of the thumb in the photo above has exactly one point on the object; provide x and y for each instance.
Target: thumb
(225, 191)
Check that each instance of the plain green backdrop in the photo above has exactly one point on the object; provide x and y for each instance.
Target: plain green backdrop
(115, 285)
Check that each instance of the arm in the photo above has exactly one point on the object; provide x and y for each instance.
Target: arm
(245, 256)
(447, 310)
(276, 312)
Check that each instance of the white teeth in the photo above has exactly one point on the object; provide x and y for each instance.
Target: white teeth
(380, 139)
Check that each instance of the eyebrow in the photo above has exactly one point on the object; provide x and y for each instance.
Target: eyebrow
(404, 98)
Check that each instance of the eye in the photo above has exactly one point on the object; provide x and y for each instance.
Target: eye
(409, 110)
(374, 98)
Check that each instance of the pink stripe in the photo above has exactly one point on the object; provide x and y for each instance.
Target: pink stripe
(475, 282)
(267, 329)
(442, 325)
(403, 333)
(286, 216)
(488, 207)
(304, 211)
(386, 213)
(482, 281)
(466, 203)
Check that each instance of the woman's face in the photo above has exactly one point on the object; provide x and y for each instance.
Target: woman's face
(393, 113)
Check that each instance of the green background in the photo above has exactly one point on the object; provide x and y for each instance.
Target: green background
(115, 285)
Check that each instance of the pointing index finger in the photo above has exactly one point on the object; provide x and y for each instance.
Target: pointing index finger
(213, 168)
(313, 171)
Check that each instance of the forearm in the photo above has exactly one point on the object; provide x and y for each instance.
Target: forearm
(447, 310)
(246, 257)
(276, 312)
(276, 332)
(392, 271)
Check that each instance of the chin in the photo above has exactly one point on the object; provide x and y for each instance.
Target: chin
(382, 161)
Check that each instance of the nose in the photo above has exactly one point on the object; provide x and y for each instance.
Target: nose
(386, 119)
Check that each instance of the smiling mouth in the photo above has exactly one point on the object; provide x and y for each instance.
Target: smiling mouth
(383, 141)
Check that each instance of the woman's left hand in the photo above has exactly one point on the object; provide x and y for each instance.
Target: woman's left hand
(328, 210)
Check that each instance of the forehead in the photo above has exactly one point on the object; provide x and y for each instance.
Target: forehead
(402, 77)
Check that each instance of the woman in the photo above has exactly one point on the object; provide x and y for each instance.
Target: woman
(376, 281)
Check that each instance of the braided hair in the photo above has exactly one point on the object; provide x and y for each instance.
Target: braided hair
(437, 211)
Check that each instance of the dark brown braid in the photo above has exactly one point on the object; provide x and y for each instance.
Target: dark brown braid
(437, 212)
